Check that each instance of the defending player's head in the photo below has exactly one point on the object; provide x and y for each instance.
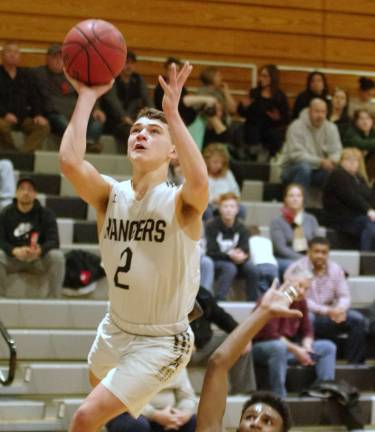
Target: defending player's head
(264, 412)
(150, 144)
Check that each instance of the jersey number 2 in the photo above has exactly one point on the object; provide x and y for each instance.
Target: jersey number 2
(123, 269)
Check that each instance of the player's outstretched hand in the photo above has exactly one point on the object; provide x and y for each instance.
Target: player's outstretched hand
(276, 301)
(172, 89)
(95, 91)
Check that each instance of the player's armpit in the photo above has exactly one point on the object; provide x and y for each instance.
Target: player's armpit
(188, 218)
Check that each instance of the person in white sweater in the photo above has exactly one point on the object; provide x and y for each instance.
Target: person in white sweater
(220, 178)
(173, 408)
(261, 255)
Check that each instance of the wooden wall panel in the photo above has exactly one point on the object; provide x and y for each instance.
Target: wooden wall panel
(326, 33)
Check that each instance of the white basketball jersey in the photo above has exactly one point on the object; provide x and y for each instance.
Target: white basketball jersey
(152, 266)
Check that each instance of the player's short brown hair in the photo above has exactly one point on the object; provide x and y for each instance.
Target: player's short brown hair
(151, 113)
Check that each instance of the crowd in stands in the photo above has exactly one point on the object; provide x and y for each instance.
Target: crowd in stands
(325, 140)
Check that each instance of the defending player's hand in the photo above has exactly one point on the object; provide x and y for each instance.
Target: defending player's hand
(172, 89)
(95, 91)
(276, 301)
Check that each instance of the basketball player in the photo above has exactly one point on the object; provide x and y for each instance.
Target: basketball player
(263, 412)
(148, 235)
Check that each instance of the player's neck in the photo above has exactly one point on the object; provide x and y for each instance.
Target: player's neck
(143, 182)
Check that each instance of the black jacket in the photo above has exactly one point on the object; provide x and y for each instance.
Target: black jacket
(220, 238)
(19, 95)
(16, 228)
(212, 314)
(346, 196)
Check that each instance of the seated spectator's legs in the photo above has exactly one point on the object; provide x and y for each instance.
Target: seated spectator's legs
(94, 130)
(35, 134)
(3, 272)
(250, 273)
(302, 173)
(266, 273)
(53, 264)
(190, 425)
(6, 139)
(126, 423)
(7, 183)
(272, 139)
(58, 123)
(354, 325)
(208, 213)
(226, 271)
(274, 355)
(283, 264)
(325, 366)
(207, 269)
(362, 229)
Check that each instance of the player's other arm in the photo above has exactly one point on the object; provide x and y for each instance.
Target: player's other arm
(211, 409)
(86, 180)
(195, 188)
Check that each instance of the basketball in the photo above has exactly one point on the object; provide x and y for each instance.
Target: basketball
(94, 52)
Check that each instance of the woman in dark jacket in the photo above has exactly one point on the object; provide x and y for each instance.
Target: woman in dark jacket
(267, 113)
(316, 87)
(349, 202)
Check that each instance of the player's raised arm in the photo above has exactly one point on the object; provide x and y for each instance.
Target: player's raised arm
(195, 187)
(213, 398)
(86, 180)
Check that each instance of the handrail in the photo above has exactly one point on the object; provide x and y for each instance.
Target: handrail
(12, 357)
(355, 72)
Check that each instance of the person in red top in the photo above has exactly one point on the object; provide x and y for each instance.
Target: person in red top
(284, 341)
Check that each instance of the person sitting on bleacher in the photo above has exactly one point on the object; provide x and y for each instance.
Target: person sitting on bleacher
(20, 104)
(361, 134)
(266, 112)
(171, 409)
(284, 341)
(339, 114)
(365, 97)
(261, 255)
(312, 147)
(59, 98)
(7, 183)
(328, 299)
(291, 231)
(123, 102)
(316, 87)
(228, 246)
(29, 239)
(349, 203)
(220, 178)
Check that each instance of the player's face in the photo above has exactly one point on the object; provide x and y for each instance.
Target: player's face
(150, 143)
(260, 417)
(25, 193)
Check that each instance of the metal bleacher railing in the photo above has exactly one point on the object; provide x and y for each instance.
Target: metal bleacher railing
(5, 381)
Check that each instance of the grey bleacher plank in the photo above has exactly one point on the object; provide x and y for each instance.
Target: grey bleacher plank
(252, 190)
(348, 260)
(261, 213)
(65, 227)
(50, 344)
(48, 163)
(362, 289)
(11, 409)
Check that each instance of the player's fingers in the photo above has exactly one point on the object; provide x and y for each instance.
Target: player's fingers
(184, 74)
(173, 75)
(163, 83)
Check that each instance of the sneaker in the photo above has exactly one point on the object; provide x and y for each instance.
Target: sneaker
(79, 291)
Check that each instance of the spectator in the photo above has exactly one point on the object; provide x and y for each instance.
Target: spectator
(59, 99)
(29, 239)
(217, 129)
(349, 203)
(293, 229)
(214, 85)
(328, 299)
(365, 98)
(122, 103)
(228, 246)
(261, 255)
(7, 183)
(361, 134)
(20, 104)
(220, 178)
(339, 114)
(316, 87)
(185, 108)
(266, 112)
(312, 147)
(290, 340)
(171, 409)
(241, 375)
